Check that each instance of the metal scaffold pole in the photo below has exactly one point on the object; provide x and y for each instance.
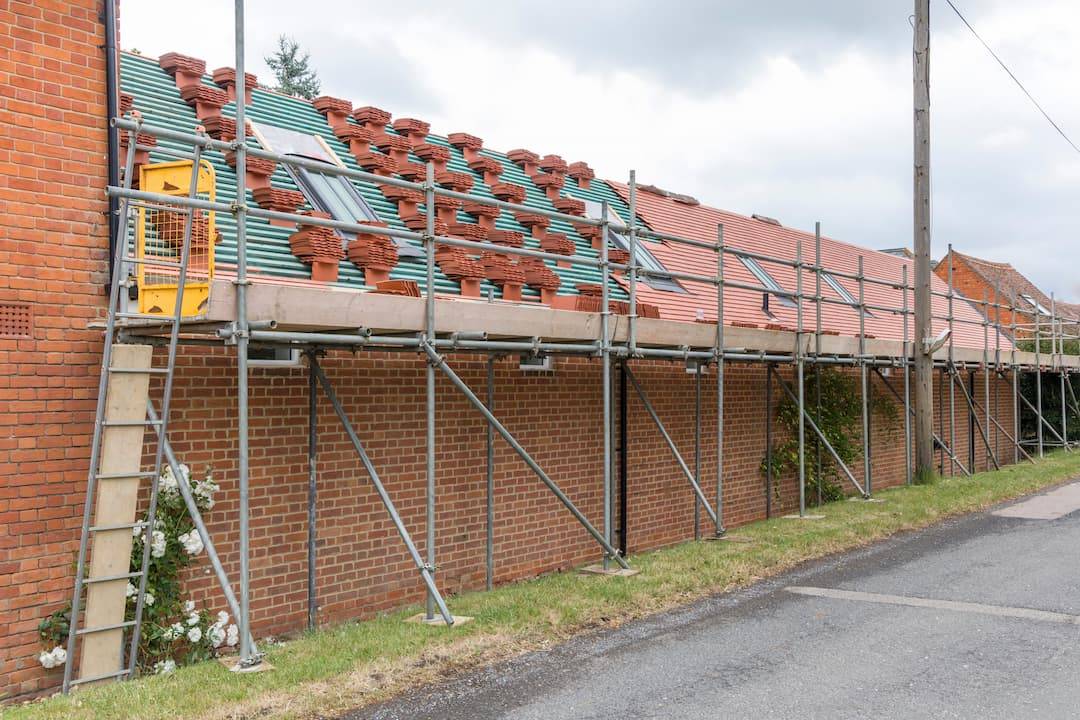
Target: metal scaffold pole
(908, 349)
(1038, 378)
(951, 364)
(248, 657)
(817, 354)
(429, 335)
(799, 379)
(864, 380)
(718, 354)
(605, 370)
(313, 490)
(489, 554)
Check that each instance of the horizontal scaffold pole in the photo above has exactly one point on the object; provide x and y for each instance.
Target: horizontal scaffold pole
(425, 571)
(821, 436)
(440, 362)
(671, 445)
(975, 417)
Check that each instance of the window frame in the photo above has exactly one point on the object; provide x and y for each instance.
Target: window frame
(767, 281)
(642, 253)
(844, 293)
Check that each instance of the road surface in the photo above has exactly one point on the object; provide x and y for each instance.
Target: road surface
(975, 618)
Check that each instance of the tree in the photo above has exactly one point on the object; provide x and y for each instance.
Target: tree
(290, 66)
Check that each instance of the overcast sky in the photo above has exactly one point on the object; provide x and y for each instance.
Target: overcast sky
(798, 110)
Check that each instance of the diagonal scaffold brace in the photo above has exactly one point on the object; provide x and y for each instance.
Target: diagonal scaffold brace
(439, 362)
(821, 436)
(425, 570)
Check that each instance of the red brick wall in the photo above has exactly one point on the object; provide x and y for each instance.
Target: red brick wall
(52, 251)
(971, 284)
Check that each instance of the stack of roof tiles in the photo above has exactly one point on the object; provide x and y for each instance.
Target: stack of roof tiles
(375, 254)
(320, 247)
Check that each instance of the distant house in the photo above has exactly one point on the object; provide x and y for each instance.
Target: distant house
(996, 282)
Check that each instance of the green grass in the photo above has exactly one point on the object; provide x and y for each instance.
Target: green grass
(340, 668)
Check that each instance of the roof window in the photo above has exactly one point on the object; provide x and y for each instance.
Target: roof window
(1035, 304)
(842, 291)
(329, 193)
(766, 280)
(644, 258)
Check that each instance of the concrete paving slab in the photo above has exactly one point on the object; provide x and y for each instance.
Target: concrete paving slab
(1049, 506)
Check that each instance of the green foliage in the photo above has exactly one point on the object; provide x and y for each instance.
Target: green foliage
(839, 419)
(1051, 394)
(173, 631)
(291, 68)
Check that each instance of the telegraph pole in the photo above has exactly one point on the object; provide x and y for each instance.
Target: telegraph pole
(924, 366)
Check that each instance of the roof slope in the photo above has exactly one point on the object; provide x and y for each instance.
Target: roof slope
(156, 96)
(699, 222)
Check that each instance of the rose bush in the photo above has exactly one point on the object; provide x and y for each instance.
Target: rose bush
(174, 630)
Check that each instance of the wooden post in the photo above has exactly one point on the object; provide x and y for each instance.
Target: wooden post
(924, 398)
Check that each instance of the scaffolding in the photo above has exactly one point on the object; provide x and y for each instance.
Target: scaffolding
(808, 344)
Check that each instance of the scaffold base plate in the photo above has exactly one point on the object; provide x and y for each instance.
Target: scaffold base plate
(422, 619)
(615, 570)
(866, 500)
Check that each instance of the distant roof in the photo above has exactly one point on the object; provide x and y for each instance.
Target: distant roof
(1012, 284)
(899, 252)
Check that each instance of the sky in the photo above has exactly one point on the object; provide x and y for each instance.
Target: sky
(796, 110)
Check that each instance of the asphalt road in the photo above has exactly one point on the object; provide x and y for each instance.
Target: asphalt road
(975, 618)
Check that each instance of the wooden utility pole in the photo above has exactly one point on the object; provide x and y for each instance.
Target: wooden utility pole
(924, 367)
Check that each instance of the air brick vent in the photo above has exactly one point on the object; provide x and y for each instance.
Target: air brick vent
(16, 320)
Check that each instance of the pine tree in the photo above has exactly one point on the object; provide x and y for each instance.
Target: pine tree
(294, 75)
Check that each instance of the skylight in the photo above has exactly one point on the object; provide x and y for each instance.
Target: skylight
(842, 291)
(1035, 304)
(644, 258)
(332, 194)
(766, 280)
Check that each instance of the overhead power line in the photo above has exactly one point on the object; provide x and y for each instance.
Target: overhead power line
(1013, 76)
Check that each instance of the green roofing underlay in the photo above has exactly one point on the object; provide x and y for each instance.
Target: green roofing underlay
(158, 100)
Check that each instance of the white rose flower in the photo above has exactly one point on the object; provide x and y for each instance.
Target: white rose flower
(232, 636)
(194, 634)
(222, 618)
(176, 630)
(193, 544)
(47, 660)
(193, 619)
(136, 532)
(189, 606)
(148, 599)
(59, 655)
(130, 590)
(157, 544)
(167, 483)
(165, 667)
(216, 635)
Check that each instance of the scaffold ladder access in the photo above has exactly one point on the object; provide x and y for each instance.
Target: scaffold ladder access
(101, 627)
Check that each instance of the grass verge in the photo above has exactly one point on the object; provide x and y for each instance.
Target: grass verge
(337, 669)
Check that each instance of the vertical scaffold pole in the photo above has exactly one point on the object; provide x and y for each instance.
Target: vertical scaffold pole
(951, 369)
(997, 365)
(429, 335)
(605, 365)
(1015, 379)
(248, 657)
(313, 437)
(632, 266)
(817, 354)
(986, 376)
(1038, 377)
(864, 379)
(800, 370)
(489, 575)
(907, 376)
(768, 441)
(697, 446)
(718, 353)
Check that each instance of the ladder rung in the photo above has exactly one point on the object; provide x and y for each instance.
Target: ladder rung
(120, 526)
(152, 261)
(104, 676)
(146, 316)
(124, 476)
(105, 628)
(131, 423)
(111, 578)
(140, 371)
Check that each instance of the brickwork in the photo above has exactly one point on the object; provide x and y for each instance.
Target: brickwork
(52, 260)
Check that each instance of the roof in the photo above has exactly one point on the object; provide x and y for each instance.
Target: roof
(158, 99)
(1011, 283)
(666, 214)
